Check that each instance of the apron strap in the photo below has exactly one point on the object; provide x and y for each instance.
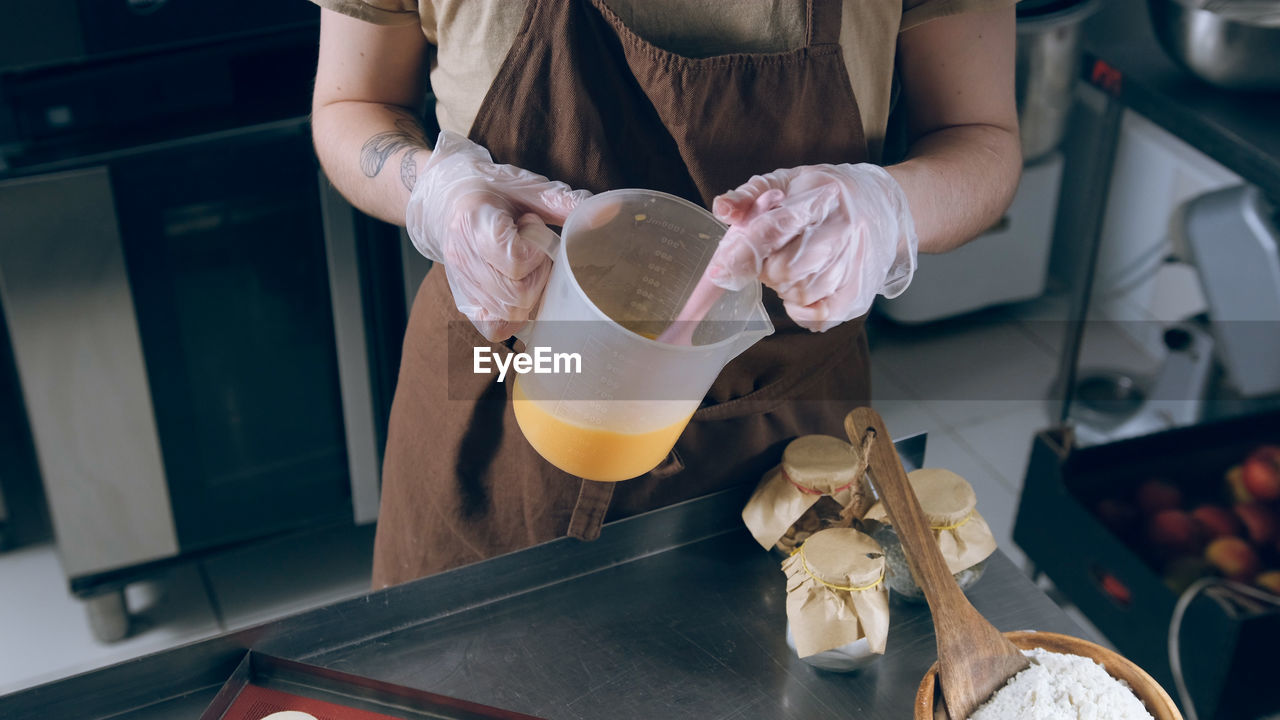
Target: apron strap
(589, 510)
(823, 27)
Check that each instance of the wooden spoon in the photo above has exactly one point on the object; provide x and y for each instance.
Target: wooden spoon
(974, 658)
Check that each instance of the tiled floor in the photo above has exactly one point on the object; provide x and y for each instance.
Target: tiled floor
(44, 634)
(978, 385)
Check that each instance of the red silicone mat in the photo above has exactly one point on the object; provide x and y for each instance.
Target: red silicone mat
(255, 703)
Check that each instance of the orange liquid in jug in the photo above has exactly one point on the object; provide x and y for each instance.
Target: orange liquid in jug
(593, 453)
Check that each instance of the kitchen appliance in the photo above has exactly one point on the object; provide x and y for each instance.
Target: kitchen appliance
(1185, 246)
(1111, 405)
(1008, 263)
(1136, 287)
(1232, 237)
(24, 519)
(4, 522)
(1234, 44)
(60, 32)
(627, 264)
(1047, 67)
(205, 333)
(177, 350)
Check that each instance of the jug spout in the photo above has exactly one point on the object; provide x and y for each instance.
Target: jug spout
(758, 327)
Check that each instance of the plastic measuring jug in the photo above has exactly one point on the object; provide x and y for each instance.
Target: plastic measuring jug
(626, 264)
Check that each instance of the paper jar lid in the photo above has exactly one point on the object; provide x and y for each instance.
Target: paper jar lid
(821, 462)
(843, 557)
(945, 497)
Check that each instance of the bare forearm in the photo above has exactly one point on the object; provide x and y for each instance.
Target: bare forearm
(959, 181)
(372, 153)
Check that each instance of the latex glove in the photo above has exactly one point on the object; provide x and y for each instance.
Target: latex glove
(826, 238)
(487, 223)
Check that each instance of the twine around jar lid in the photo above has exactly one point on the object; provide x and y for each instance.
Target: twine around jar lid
(947, 499)
(821, 463)
(843, 559)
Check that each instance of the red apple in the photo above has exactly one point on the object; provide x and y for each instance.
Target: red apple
(1259, 522)
(1269, 580)
(1215, 521)
(1156, 495)
(1174, 531)
(1233, 557)
(1235, 485)
(1261, 473)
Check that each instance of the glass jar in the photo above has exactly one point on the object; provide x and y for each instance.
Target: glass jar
(846, 658)
(821, 483)
(897, 575)
(963, 536)
(837, 602)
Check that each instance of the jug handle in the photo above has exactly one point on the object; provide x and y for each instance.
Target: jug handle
(545, 239)
(549, 243)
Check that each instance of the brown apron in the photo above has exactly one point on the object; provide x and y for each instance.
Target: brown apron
(581, 98)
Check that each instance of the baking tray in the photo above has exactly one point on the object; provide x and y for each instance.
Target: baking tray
(263, 684)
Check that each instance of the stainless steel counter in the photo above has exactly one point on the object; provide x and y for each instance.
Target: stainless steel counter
(695, 632)
(672, 614)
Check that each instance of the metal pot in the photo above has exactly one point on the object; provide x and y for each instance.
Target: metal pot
(1233, 44)
(1048, 63)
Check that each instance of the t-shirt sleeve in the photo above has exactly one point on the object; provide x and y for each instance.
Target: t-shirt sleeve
(379, 12)
(918, 12)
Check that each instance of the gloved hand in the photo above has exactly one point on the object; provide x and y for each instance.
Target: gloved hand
(826, 238)
(487, 223)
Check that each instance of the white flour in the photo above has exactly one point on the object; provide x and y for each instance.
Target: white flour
(1062, 687)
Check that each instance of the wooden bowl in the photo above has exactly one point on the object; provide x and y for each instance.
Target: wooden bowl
(929, 704)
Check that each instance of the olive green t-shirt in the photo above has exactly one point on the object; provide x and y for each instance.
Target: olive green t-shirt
(472, 39)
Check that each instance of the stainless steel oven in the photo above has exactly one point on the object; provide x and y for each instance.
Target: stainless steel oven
(189, 324)
(57, 32)
(205, 334)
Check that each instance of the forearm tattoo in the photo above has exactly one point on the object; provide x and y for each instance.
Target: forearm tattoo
(409, 169)
(376, 150)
